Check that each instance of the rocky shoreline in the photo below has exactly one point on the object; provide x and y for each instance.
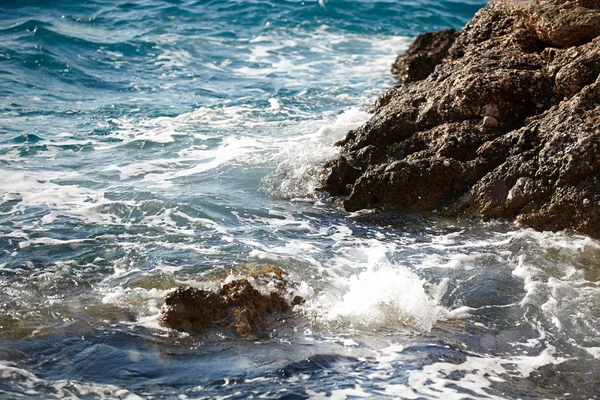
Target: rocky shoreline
(499, 120)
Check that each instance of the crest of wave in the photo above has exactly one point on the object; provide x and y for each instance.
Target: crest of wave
(383, 297)
(299, 164)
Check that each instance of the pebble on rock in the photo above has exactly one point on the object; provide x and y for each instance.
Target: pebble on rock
(489, 122)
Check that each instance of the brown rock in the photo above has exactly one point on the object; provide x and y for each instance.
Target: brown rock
(576, 68)
(237, 305)
(437, 144)
(552, 177)
(564, 23)
(428, 50)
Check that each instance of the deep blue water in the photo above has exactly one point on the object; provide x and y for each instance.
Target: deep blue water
(147, 144)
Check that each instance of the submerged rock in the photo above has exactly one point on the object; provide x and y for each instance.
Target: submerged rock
(506, 125)
(237, 305)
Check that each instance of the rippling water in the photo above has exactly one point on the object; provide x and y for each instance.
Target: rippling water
(146, 144)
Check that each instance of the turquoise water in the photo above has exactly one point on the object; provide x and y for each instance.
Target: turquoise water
(146, 144)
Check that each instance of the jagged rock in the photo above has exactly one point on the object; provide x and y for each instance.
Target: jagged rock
(563, 23)
(507, 126)
(551, 174)
(237, 305)
(575, 68)
(427, 51)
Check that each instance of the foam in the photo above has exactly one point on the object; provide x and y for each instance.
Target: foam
(594, 351)
(47, 241)
(297, 172)
(35, 189)
(297, 55)
(173, 60)
(30, 385)
(299, 162)
(339, 394)
(475, 374)
(384, 297)
(144, 303)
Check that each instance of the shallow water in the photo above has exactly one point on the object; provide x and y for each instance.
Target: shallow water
(147, 144)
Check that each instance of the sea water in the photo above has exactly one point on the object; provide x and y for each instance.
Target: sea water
(146, 144)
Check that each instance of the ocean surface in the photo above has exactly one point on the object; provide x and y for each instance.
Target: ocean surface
(146, 144)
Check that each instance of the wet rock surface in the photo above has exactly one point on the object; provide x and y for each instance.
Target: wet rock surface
(506, 125)
(237, 305)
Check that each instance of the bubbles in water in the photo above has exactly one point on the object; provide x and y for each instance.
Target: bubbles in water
(386, 297)
(381, 296)
(299, 163)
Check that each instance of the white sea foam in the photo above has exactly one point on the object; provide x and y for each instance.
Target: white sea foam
(383, 297)
(143, 303)
(35, 189)
(299, 153)
(30, 385)
(476, 374)
(300, 160)
(302, 56)
(378, 296)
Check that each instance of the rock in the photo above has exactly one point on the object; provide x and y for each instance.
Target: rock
(561, 23)
(427, 51)
(505, 127)
(237, 305)
(489, 122)
(552, 168)
(340, 182)
(575, 68)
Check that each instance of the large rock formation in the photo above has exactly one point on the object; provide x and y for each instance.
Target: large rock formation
(507, 124)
